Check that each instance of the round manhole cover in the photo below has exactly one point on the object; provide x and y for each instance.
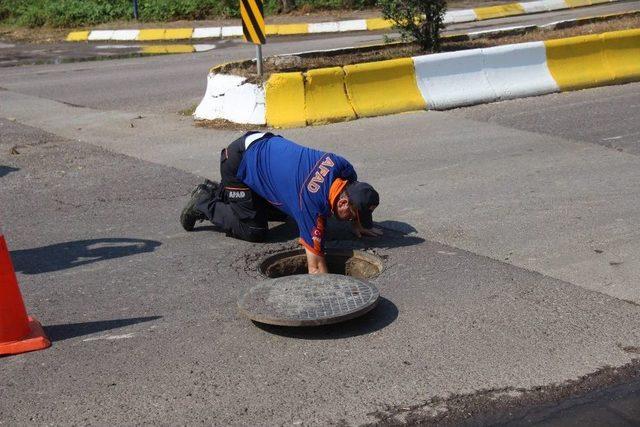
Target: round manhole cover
(308, 300)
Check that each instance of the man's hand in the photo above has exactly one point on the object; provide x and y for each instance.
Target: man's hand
(317, 264)
(359, 231)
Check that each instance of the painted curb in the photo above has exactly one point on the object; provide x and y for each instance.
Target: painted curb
(372, 24)
(436, 82)
(232, 98)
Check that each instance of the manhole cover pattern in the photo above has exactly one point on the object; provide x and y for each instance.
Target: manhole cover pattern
(305, 300)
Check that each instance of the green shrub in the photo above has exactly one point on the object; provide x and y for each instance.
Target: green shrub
(420, 20)
(75, 13)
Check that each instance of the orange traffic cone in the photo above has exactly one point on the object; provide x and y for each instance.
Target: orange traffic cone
(19, 333)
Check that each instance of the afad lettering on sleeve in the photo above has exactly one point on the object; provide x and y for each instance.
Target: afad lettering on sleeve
(317, 234)
(318, 177)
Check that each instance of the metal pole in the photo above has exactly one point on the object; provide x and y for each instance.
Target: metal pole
(259, 59)
(135, 9)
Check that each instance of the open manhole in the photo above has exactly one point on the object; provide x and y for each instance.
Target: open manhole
(291, 297)
(358, 264)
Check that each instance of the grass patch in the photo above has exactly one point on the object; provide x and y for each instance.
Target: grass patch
(582, 27)
(188, 111)
(227, 125)
(79, 13)
(32, 35)
(84, 13)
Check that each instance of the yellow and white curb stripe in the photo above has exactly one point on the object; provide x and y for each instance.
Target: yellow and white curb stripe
(438, 81)
(373, 24)
(476, 76)
(175, 48)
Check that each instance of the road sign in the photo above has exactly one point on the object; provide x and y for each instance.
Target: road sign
(252, 21)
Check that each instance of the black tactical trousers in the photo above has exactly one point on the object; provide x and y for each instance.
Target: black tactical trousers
(235, 208)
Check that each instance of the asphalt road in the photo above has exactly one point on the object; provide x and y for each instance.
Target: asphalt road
(146, 329)
(175, 82)
(511, 254)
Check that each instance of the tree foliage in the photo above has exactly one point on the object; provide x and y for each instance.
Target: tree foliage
(74, 13)
(420, 20)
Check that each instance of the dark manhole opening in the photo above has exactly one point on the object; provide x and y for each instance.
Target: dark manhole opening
(358, 264)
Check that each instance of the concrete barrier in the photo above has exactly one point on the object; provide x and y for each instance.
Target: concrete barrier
(595, 60)
(578, 62)
(438, 81)
(453, 79)
(459, 16)
(151, 34)
(178, 33)
(207, 33)
(556, 5)
(325, 97)
(622, 54)
(477, 76)
(534, 7)
(125, 35)
(289, 29)
(324, 27)
(352, 25)
(491, 12)
(375, 24)
(518, 70)
(383, 87)
(100, 35)
(285, 100)
(231, 98)
(235, 31)
(78, 36)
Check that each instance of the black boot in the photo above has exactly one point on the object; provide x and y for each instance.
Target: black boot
(212, 186)
(190, 214)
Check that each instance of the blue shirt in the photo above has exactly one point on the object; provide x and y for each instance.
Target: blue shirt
(296, 180)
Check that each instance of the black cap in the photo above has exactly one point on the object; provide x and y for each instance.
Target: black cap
(364, 198)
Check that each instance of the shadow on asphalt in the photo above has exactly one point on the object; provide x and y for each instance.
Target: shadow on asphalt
(279, 232)
(72, 330)
(398, 227)
(6, 170)
(396, 234)
(384, 314)
(283, 232)
(80, 252)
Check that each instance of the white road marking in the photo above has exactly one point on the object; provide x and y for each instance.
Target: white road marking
(447, 253)
(621, 136)
(110, 337)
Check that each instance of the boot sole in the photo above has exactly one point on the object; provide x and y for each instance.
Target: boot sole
(186, 223)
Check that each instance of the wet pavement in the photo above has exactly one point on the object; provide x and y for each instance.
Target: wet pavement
(14, 54)
(608, 397)
(618, 406)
